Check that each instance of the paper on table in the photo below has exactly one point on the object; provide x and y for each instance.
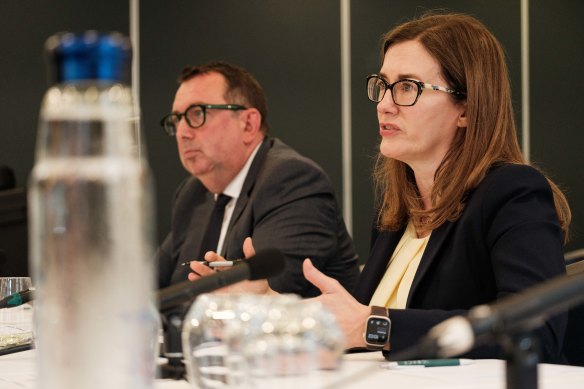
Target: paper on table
(15, 326)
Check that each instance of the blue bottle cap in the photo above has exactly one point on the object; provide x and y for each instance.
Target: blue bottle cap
(89, 55)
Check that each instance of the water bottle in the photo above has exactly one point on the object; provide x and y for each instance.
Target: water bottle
(91, 222)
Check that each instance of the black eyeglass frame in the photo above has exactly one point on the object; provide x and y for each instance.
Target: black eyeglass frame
(170, 126)
(421, 86)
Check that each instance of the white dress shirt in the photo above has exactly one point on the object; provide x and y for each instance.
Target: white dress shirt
(233, 190)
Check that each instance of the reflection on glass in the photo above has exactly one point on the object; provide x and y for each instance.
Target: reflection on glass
(244, 341)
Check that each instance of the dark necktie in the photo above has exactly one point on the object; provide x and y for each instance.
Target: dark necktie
(211, 238)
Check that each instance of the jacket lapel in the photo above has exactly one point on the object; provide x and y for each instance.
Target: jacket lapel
(248, 184)
(376, 265)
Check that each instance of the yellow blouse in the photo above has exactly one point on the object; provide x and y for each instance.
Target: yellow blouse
(393, 290)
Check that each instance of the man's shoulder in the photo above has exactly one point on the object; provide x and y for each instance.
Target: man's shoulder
(283, 167)
(281, 154)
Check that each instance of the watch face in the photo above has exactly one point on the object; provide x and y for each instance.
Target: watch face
(377, 332)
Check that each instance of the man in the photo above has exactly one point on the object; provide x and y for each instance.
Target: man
(276, 196)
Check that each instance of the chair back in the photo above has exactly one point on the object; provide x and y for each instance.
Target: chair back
(574, 339)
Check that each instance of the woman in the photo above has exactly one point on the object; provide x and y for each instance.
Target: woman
(463, 219)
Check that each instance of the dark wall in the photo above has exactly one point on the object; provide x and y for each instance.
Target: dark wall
(293, 48)
(25, 27)
(557, 98)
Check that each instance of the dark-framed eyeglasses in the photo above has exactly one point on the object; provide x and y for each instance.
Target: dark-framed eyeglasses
(404, 92)
(194, 115)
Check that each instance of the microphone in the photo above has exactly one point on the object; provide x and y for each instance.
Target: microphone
(265, 264)
(16, 299)
(520, 312)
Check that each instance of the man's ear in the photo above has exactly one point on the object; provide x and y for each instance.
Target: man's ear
(252, 121)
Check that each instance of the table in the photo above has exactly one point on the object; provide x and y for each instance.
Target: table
(358, 371)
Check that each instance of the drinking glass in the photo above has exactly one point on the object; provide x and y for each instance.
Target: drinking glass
(214, 331)
(15, 322)
(296, 340)
(11, 285)
(252, 341)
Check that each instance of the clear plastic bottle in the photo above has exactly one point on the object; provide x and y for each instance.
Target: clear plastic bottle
(91, 223)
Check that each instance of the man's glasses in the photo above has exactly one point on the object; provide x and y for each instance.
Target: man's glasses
(194, 115)
(403, 92)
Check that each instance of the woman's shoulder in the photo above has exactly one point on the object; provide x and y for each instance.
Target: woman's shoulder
(509, 181)
(511, 175)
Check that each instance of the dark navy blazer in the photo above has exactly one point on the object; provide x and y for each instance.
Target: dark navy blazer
(507, 239)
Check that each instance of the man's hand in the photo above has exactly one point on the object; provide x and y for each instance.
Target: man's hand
(201, 270)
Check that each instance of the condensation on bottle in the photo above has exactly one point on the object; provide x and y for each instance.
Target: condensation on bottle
(91, 222)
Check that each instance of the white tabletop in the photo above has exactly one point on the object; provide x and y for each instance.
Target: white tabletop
(357, 371)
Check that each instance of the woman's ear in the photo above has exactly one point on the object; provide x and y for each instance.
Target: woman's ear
(462, 119)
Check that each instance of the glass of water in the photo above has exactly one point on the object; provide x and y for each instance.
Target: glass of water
(214, 333)
(295, 341)
(252, 341)
(12, 285)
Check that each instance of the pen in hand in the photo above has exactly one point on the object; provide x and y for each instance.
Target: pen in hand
(215, 263)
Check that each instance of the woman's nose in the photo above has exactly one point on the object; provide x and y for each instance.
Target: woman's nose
(386, 104)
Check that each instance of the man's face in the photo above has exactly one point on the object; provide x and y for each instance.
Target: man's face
(214, 151)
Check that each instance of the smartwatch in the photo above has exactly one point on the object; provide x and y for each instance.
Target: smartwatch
(377, 329)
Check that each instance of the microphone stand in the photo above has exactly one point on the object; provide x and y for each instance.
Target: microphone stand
(172, 320)
(521, 350)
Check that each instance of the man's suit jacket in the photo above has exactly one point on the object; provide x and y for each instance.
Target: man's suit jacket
(287, 202)
(507, 239)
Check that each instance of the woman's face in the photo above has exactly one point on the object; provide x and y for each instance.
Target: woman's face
(418, 135)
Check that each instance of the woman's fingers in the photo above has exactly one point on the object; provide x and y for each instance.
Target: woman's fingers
(326, 284)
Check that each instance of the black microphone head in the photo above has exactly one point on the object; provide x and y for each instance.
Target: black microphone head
(265, 264)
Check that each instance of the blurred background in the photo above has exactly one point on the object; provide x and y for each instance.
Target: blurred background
(294, 50)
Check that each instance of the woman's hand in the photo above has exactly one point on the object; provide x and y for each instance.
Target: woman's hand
(350, 314)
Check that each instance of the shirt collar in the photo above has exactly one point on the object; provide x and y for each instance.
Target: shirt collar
(233, 189)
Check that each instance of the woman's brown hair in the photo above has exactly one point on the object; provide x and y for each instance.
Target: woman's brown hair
(473, 62)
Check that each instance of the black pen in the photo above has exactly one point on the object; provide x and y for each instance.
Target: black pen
(215, 263)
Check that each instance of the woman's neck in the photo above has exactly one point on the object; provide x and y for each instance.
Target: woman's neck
(425, 185)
